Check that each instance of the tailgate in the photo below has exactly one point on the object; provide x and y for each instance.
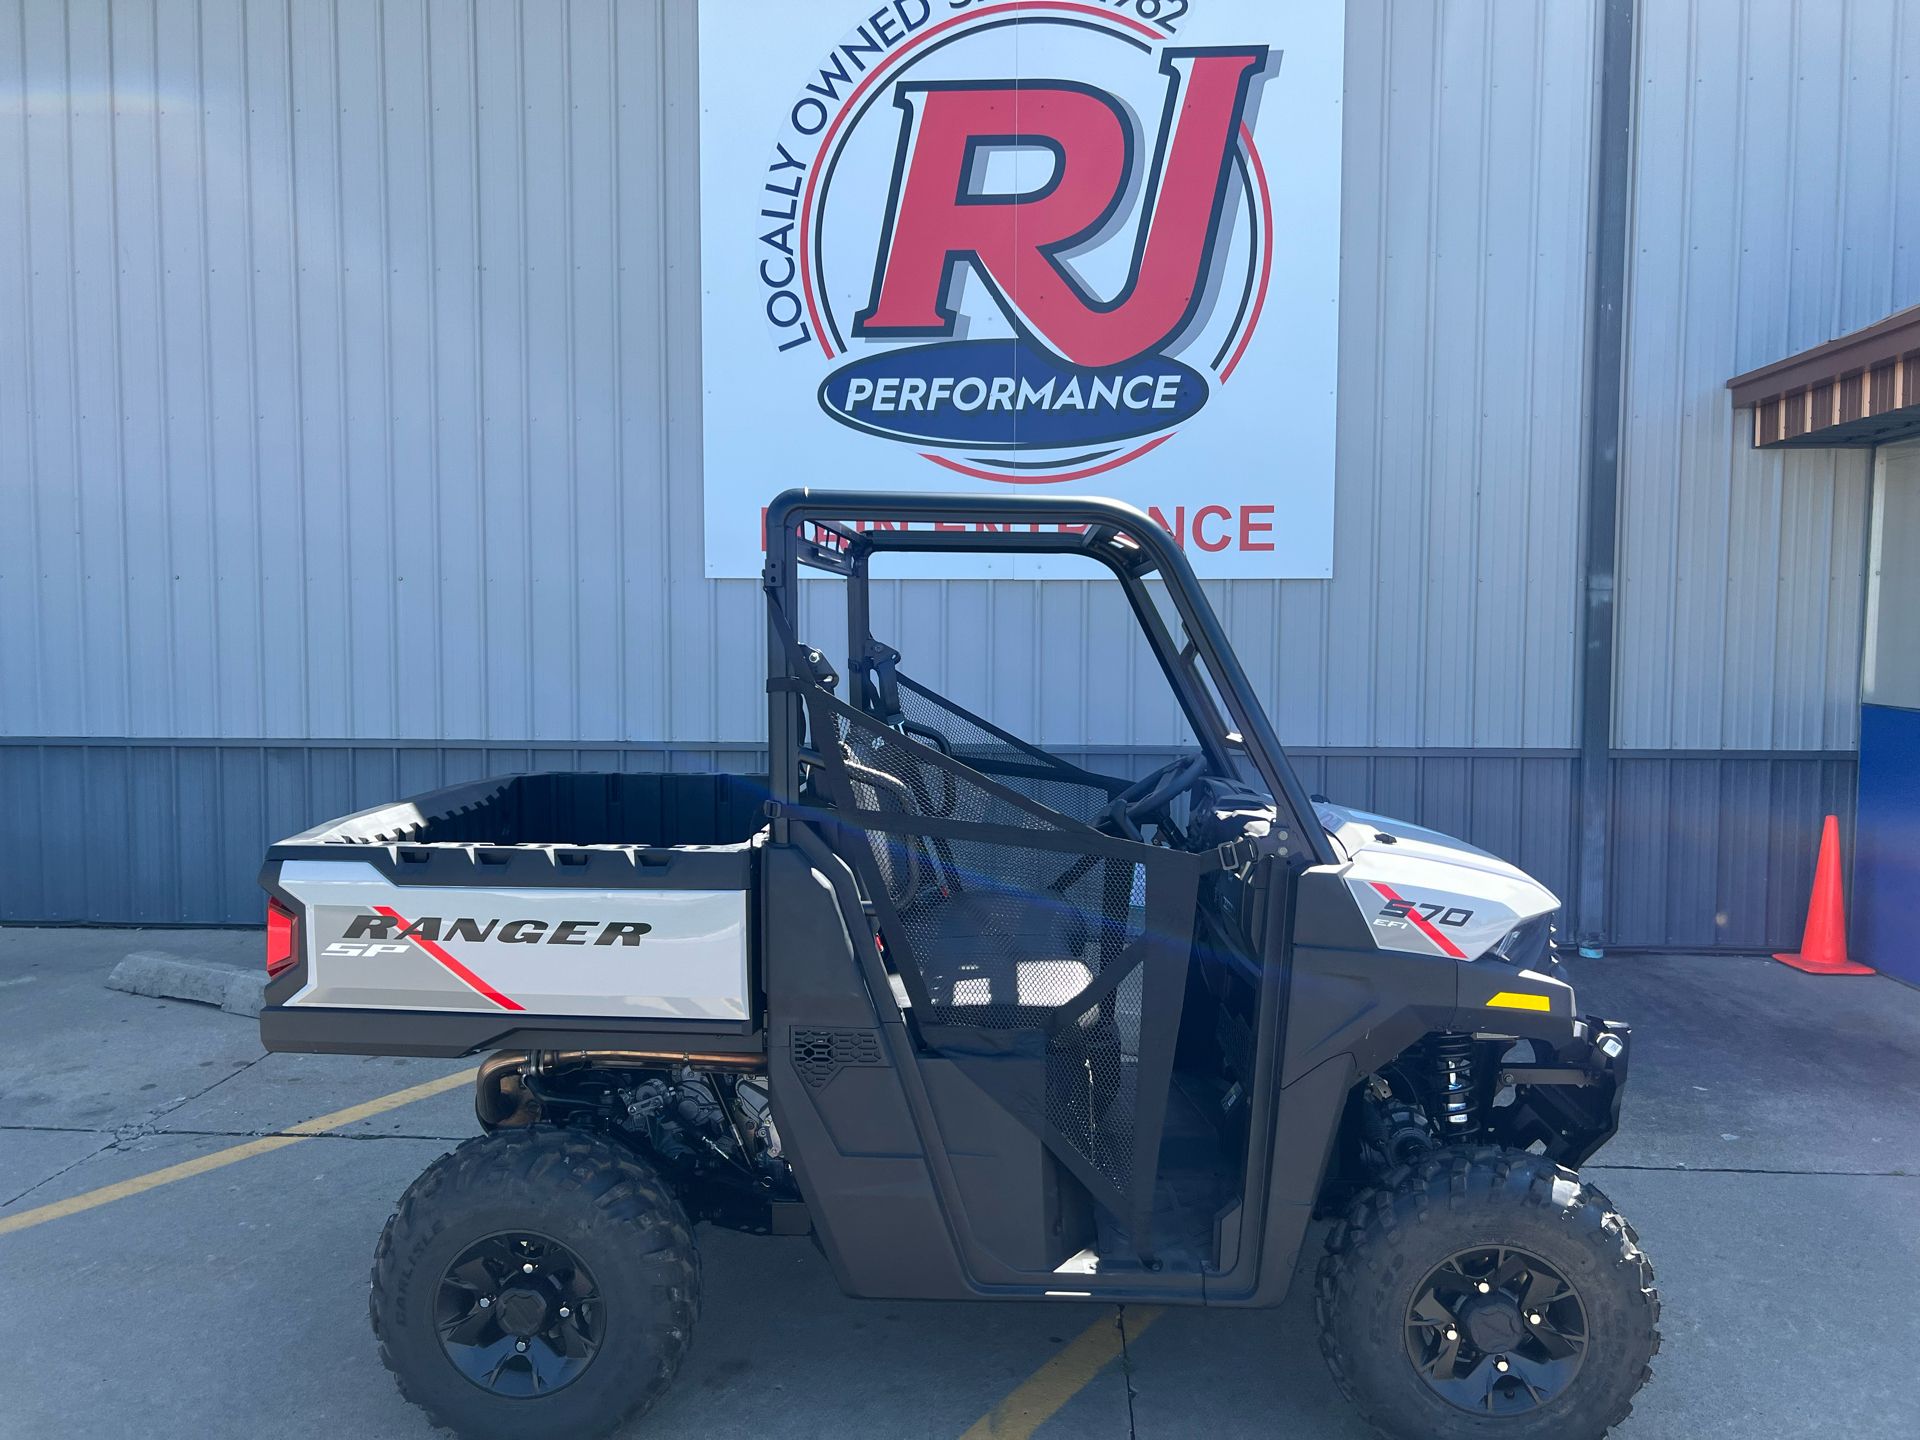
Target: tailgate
(442, 950)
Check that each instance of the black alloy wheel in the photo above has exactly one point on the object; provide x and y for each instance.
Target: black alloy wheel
(1487, 1294)
(535, 1281)
(1496, 1331)
(519, 1315)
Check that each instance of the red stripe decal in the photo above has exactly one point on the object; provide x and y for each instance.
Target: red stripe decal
(459, 972)
(1421, 923)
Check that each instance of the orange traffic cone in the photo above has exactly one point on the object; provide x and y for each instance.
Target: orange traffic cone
(1823, 948)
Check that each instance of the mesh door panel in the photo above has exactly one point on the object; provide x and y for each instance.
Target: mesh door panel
(997, 930)
(1023, 937)
(1003, 944)
(1093, 1082)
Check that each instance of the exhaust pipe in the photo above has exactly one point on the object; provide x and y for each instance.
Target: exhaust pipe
(500, 1099)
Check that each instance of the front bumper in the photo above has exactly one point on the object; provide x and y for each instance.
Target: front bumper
(1567, 1097)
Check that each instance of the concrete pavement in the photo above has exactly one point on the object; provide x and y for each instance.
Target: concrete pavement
(1768, 1158)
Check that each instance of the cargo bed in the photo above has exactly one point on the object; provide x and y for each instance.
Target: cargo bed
(553, 911)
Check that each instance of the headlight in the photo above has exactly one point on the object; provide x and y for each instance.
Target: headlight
(1528, 944)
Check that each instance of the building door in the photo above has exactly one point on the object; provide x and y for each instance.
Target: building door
(1887, 834)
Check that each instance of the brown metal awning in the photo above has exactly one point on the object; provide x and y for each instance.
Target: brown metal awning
(1862, 389)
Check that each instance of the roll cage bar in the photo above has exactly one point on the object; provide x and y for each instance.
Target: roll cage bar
(809, 527)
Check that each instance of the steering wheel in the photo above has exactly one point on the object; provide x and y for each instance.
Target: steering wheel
(1151, 794)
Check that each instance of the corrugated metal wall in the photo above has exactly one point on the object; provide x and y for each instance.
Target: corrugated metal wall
(358, 390)
(1776, 206)
(361, 395)
(357, 407)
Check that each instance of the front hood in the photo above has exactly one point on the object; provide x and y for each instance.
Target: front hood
(1428, 893)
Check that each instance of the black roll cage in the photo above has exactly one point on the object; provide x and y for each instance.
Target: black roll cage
(809, 527)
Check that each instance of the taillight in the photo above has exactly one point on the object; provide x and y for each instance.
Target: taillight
(282, 938)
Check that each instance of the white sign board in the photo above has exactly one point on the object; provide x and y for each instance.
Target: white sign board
(955, 245)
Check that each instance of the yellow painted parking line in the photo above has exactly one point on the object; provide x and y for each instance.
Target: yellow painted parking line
(1061, 1378)
(187, 1169)
(354, 1114)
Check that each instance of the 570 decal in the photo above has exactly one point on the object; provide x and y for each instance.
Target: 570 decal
(1397, 913)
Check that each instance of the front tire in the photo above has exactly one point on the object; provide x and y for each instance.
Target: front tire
(1480, 1292)
(535, 1281)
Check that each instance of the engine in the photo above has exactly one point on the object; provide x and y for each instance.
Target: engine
(692, 1121)
(710, 1133)
(713, 1135)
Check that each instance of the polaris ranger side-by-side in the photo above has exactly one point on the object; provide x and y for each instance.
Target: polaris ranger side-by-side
(985, 1023)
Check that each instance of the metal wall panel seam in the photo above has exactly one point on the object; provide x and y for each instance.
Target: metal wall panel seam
(303, 675)
(529, 641)
(681, 390)
(1837, 244)
(213, 684)
(116, 310)
(430, 338)
(1697, 691)
(1469, 703)
(399, 607)
(28, 628)
(74, 416)
(343, 403)
(1375, 468)
(1534, 149)
(570, 360)
(1678, 532)
(1423, 585)
(617, 430)
(1731, 467)
(1613, 189)
(170, 683)
(479, 607)
(1369, 675)
(1897, 55)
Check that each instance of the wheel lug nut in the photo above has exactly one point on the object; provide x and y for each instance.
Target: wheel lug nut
(1534, 1318)
(1500, 1364)
(521, 1345)
(1483, 1287)
(485, 1301)
(1452, 1334)
(527, 1269)
(565, 1312)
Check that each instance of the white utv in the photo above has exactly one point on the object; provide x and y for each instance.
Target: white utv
(987, 1024)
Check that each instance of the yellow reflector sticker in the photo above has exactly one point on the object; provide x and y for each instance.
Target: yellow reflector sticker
(1516, 1000)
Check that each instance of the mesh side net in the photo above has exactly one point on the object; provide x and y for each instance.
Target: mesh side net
(1040, 777)
(1020, 947)
(999, 931)
(1093, 1082)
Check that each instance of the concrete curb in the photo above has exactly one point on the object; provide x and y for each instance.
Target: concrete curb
(170, 977)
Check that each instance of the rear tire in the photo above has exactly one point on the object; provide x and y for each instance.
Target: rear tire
(617, 1250)
(1505, 1212)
